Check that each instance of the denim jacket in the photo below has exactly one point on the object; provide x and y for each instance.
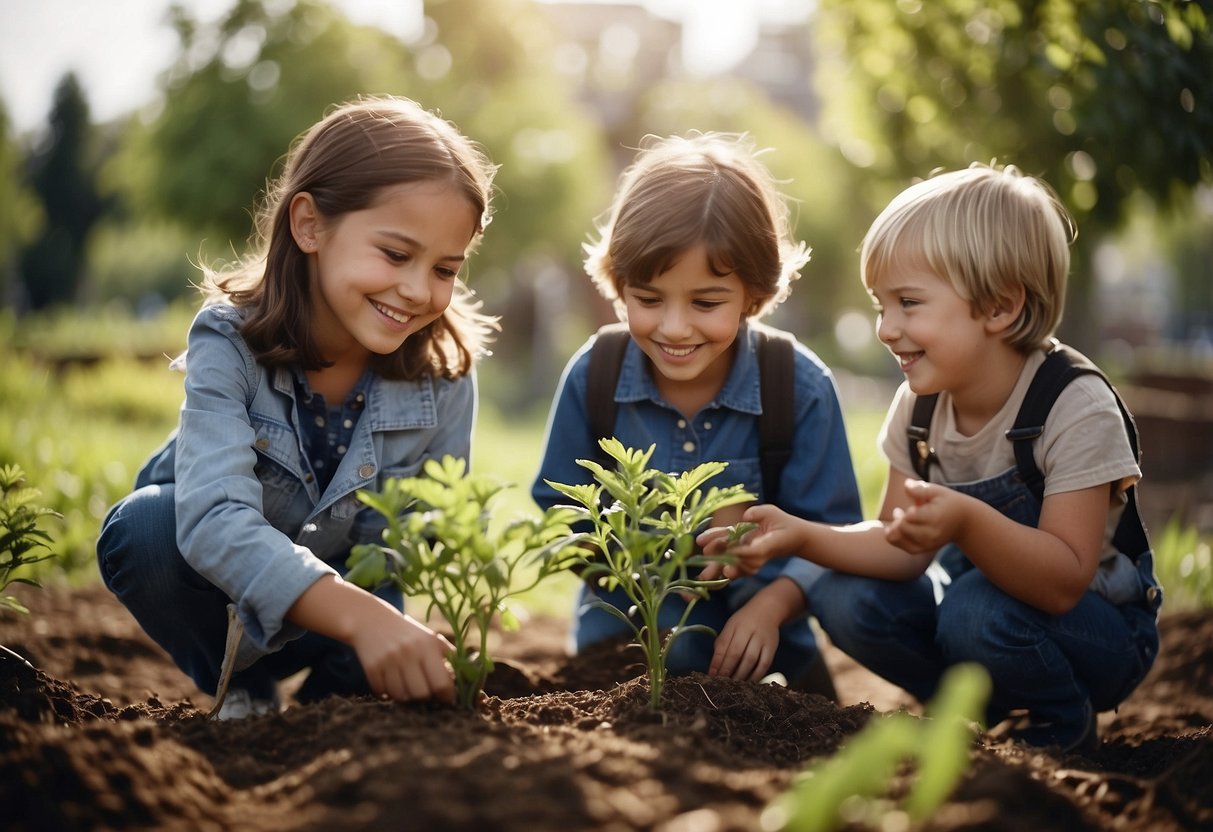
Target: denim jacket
(817, 483)
(250, 517)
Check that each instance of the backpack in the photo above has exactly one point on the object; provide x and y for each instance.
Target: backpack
(1061, 366)
(776, 369)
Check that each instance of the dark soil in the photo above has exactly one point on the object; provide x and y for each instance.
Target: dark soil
(107, 734)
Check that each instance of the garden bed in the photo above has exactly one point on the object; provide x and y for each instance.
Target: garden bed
(108, 734)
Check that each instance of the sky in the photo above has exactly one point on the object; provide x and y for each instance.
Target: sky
(118, 47)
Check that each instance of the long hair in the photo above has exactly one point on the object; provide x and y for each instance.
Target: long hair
(344, 162)
(704, 188)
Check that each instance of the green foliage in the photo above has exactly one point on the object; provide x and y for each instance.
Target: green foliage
(850, 787)
(1183, 564)
(20, 211)
(955, 82)
(22, 543)
(440, 542)
(81, 431)
(643, 541)
(243, 88)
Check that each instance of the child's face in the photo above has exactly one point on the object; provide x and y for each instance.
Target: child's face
(686, 319)
(385, 272)
(930, 329)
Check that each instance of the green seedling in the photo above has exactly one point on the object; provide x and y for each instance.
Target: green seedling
(643, 542)
(850, 786)
(22, 543)
(439, 542)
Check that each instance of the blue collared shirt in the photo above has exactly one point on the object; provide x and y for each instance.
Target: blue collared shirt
(817, 483)
(252, 518)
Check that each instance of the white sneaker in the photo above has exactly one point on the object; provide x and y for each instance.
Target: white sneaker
(240, 704)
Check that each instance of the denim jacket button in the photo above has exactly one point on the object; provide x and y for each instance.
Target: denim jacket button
(262, 443)
(366, 471)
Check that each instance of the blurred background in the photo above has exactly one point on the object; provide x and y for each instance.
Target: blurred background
(136, 135)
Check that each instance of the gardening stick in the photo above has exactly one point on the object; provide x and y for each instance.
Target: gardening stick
(235, 629)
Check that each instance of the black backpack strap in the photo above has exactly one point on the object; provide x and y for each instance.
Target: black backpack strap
(606, 360)
(1061, 366)
(918, 435)
(777, 381)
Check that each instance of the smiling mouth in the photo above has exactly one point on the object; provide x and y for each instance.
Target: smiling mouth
(395, 315)
(905, 359)
(677, 352)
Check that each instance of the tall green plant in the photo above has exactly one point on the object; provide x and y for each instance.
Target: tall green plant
(644, 542)
(440, 542)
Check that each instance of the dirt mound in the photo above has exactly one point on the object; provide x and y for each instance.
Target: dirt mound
(105, 734)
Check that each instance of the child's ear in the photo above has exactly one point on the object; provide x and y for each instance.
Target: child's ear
(305, 221)
(1006, 312)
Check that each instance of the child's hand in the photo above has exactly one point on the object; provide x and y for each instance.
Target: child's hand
(935, 519)
(402, 658)
(732, 535)
(746, 645)
(769, 533)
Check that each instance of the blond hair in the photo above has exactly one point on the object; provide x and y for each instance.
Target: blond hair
(703, 188)
(345, 161)
(987, 230)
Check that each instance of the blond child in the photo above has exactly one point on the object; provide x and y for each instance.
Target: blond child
(1043, 576)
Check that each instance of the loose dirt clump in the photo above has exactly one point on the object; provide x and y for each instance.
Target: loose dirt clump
(107, 734)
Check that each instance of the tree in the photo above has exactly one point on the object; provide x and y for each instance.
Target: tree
(234, 100)
(63, 176)
(20, 212)
(1103, 98)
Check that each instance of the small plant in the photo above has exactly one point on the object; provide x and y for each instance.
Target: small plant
(439, 542)
(848, 787)
(644, 542)
(22, 543)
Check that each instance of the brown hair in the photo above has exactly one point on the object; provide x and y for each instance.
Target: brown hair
(344, 162)
(707, 188)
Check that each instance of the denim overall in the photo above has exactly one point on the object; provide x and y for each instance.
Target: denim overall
(1058, 667)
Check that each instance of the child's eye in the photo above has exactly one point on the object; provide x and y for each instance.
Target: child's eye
(708, 305)
(646, 300)
(906, 303)
(446, 273)
(395, 256)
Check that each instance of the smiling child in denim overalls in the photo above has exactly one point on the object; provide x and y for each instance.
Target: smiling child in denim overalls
(1053, 594)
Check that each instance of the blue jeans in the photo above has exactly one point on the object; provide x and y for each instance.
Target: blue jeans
(1058, 667)
(187, 615)
(692, 652)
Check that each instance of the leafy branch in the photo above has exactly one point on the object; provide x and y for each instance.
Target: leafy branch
(643, 542)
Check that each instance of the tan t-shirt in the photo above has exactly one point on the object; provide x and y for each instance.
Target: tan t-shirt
(1084, 444)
